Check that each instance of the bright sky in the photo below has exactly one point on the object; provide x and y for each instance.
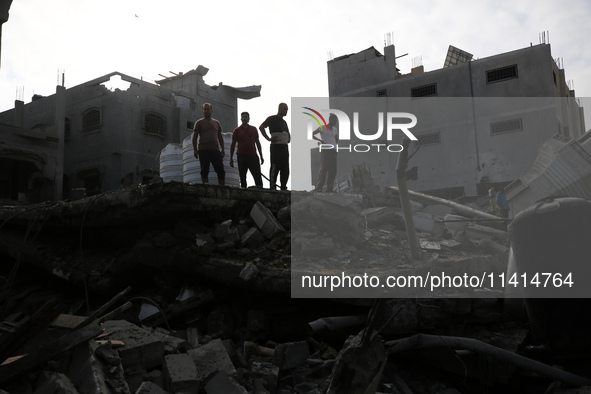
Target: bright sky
(283, 46)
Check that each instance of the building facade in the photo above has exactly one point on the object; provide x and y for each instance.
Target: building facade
(504, 106)
(111, 138)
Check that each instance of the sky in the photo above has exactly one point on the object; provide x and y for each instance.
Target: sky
(282, 46)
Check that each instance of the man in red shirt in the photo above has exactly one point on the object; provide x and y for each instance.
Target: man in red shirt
(208, 132)
(247, 137)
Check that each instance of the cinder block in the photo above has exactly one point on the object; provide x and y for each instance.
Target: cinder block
(292, 355)
(211, 358)
(180, 373)
(265, 220)
(222, 383)
(144, 347)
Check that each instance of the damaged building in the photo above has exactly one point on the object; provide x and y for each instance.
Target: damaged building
(482, 120)
(91, 138)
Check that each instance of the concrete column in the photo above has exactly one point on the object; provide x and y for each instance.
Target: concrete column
(60, 122)
(19, 114)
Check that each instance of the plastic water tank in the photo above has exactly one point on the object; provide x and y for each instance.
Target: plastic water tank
(171, 163)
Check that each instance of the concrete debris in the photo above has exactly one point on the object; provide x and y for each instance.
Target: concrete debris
(265, 220)
(211, 358)
(249, 271)
(180, 373)
(218, 341)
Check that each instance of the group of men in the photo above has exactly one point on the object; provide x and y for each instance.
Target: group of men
(208, 147)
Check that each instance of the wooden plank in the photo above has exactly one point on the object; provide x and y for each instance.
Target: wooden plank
(48, 352)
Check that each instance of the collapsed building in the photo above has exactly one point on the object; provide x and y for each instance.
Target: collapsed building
(92, 138)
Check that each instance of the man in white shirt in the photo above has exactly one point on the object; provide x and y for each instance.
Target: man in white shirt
(329, 136)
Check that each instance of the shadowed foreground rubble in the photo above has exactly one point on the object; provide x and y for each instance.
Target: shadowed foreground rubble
(186, 288)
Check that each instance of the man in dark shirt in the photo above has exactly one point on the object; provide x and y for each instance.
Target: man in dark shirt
(247, 137)
(208, 132)
(280, 137)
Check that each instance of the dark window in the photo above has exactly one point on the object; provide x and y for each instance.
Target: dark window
(382, 93)
(554, 75)
(424, 91)
(91, 121)
(155, 124)
(501, 74)
(506, 126)
(429, 139)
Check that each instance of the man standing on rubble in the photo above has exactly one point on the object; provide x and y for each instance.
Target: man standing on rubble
(247, 137)
(280, 137)
(329, 136)
(208, 132)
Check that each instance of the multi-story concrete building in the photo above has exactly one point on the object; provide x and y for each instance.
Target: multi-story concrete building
(108, 138)
(506, 106)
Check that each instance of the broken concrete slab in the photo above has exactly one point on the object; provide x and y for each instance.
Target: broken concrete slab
(144, 347)
(180, 373)
(211, 358)
(265, 220)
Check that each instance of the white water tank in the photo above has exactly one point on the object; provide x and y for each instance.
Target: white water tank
(171, 163)
(192, 168)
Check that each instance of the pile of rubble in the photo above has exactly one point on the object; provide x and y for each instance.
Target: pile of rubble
(210, 310)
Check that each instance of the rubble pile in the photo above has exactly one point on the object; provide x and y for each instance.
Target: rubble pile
(206, 304)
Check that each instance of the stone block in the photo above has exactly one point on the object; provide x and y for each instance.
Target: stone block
(211, 358)
(180, 373)
(222, 383)
(292, 355)
(265, 221)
